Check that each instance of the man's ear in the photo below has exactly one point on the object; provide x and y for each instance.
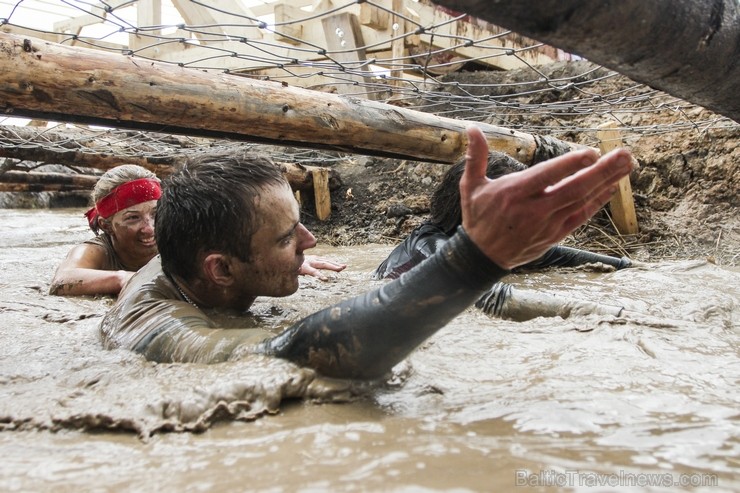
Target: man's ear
(216, 268)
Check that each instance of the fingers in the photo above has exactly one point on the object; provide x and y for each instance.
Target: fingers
(311, 266)
(476, 158)
(558, 169)
(591, 183)
(322, 263)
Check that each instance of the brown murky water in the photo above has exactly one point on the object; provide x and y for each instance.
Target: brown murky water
(646, 402)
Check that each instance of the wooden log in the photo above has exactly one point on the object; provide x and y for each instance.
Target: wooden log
(80, 158)
(45, 148)
(301, 177)
(39, 79)
(40, 187)
(79, 181)
(687, 48)
(622, 205)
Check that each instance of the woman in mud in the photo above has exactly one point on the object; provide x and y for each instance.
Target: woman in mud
(229, 232)
(446, 216)
(125, 203)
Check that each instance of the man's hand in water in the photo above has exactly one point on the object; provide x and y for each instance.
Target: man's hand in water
(312, 265)
(517, 217)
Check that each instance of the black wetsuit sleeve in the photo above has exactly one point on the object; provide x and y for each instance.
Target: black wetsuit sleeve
(561, 256)
(366, 336)
(419, 245)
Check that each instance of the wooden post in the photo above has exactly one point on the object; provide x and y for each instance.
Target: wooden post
(622, 205)
(321, 194)
(148, 13)
(397, 45)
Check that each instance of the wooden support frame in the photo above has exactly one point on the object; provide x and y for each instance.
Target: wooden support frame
(218, 32)
(622, 205)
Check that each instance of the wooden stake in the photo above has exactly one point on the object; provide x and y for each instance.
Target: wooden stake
(622, 205)
(321, 193)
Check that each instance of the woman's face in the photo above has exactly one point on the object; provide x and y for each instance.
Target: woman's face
(132, 233)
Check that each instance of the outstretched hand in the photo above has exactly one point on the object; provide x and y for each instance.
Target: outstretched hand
(517, 217)
(311, 266)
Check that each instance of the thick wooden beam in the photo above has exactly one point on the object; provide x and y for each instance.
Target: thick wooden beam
(687, 48)
(44, 80)
(49, 178)
(51, 146)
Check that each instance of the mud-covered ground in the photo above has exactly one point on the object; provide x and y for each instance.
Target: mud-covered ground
(685, 191)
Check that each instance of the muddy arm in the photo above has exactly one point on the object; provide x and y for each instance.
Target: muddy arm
(561, 256)
(366, 336)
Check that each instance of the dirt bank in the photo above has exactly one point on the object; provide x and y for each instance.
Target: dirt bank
(686, 189)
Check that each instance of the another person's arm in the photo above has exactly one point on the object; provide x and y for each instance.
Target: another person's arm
(563, 256)
(80, 274)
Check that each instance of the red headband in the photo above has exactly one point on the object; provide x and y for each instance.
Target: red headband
(122, 197)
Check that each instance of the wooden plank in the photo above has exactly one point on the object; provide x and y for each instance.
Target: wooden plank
(398, 45)
(373, 17)
(292, 30)
(98, 13)
(343, 36)
(322, 198)
(148, 13)
(622, 205)
(218, 20)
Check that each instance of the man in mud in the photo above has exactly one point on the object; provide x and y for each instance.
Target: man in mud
(228, 232)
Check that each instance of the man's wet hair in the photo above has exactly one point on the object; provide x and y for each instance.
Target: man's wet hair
(444, 207)
(208, 205)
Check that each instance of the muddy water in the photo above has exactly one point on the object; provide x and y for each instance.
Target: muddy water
(589, 403)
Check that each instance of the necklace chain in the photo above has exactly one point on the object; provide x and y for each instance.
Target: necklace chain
(179, 290)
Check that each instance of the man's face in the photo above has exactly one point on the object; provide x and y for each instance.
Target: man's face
(132, 233)
(277, 246)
